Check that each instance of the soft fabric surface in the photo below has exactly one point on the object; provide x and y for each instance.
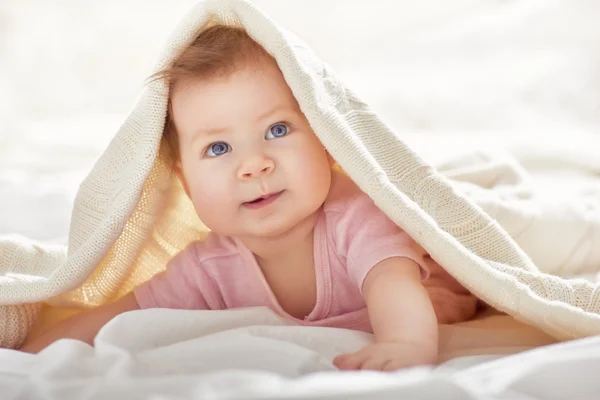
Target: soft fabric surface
(253, 354)
(130, 216)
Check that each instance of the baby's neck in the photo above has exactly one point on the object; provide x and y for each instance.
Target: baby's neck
(287, 246)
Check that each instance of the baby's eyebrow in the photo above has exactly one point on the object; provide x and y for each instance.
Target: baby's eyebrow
(272, 111)
(209, 132)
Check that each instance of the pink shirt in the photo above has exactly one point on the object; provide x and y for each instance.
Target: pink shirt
(351, 236)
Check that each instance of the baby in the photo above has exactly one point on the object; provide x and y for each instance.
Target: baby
(288, 231)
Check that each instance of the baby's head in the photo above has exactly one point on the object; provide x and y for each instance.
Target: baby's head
(236, 134)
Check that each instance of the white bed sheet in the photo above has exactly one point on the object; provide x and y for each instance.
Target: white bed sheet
(253, 354)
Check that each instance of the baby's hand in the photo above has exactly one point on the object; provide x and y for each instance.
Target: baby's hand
(387, 357)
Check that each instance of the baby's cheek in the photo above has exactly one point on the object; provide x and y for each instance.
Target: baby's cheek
(214, 216)
(214, 207)
(317, 172)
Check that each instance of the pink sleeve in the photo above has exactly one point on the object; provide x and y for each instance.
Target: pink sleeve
(179, 286)
(367, 236)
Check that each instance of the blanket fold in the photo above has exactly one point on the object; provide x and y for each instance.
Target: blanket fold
(131, 215)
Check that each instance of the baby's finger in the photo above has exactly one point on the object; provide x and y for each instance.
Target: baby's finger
(350, 361)
(341, 360)
(391, 365)
(374, 363)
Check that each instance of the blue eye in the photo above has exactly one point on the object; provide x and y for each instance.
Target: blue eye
(278, 130)
(217, 149)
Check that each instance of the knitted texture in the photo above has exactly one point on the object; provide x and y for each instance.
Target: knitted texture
(131, 215)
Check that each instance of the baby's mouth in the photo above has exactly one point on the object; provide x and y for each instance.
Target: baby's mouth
(263, 200)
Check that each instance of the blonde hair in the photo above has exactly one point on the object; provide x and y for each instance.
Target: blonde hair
(217, 52)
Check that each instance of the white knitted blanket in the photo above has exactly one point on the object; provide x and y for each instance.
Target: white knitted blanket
(478, 216)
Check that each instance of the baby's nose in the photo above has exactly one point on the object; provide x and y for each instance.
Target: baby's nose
(256, 166)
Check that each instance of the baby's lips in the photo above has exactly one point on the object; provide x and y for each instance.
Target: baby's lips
(266, 196)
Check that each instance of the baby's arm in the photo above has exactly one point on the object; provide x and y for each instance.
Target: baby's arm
(83, 326)
(402, 317)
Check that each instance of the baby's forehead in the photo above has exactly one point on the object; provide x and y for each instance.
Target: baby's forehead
(252, 97)
(208, 117)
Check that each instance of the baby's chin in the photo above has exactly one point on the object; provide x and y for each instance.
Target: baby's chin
(268, 229)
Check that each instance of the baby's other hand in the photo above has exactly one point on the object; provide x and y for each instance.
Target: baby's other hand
(387, 357)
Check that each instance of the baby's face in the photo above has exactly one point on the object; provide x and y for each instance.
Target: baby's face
(244, 137)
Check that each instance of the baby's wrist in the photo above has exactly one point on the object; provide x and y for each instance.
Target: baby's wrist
(427, 350)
